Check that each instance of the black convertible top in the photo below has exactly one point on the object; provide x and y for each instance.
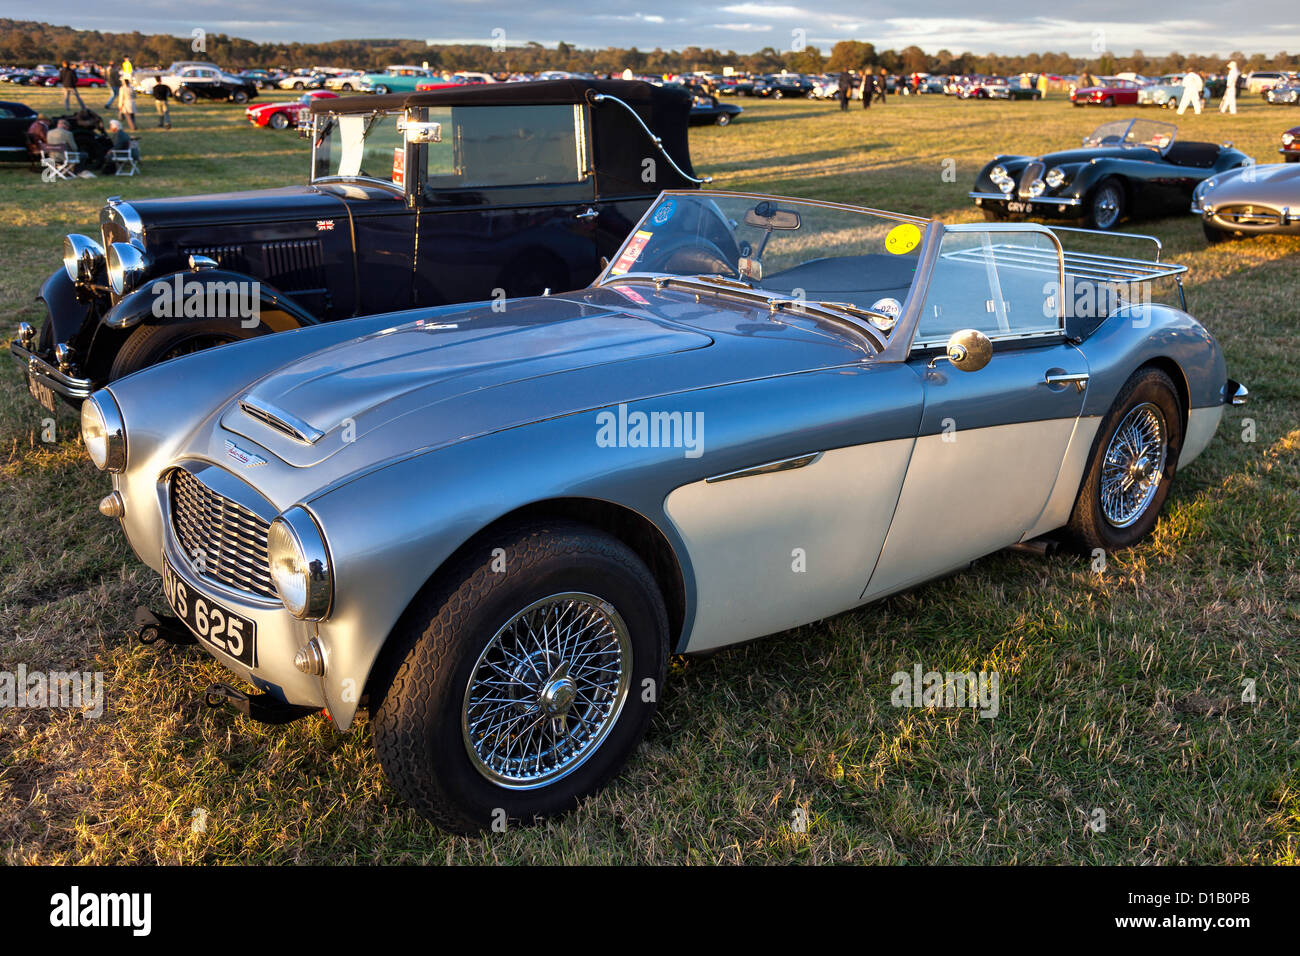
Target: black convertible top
(621, 147)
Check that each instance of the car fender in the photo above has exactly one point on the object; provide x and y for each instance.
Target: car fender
(156, 300)
(67, 312)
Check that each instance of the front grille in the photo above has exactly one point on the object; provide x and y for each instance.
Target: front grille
(230, 539)
(1033, 171)
(1247, 215)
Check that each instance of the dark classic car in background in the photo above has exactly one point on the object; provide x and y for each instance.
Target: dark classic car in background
(575, 486)
(710, 111)
(1131, 168)
(1250, 201)
(15, 118)
(190, 82)
(415, 199)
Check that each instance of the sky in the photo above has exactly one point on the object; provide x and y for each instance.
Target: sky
(1083, 28)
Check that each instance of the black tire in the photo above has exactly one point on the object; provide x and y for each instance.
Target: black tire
(150, 344)
(1214, 236)
(1292, 159)
(1108, 101)
(240, 96)
(278, 121)
(1106, 204)
(1089, 526)
(723, 119)
(418, 694)
(186, 96)
(381, 88)
(346, 87)
(298, 85)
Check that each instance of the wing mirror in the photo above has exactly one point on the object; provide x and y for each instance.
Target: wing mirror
(968, 350)
(420, 131)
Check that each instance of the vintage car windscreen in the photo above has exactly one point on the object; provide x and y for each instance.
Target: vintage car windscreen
(359, 145)
(485, 146)
(822, 253)
(1135, 132)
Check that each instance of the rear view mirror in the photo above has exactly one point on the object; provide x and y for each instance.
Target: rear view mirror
(766, 215)
(968, 350)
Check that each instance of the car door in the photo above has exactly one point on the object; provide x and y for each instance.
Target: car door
(507, 204)
(992, 441)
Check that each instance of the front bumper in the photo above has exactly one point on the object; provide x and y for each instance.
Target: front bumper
(1064, 206)
(1261, 220)
(42, 373)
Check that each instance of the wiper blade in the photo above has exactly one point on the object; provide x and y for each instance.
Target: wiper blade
(721, 280)
(881, 320)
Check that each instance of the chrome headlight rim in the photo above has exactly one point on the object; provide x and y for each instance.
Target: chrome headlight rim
(82, 258)
(103, 432)
(1006, 185)
(126, 264)
(1037, 187)
(998, 172)
(1055, 177)
(296, 529)
(1287, 139)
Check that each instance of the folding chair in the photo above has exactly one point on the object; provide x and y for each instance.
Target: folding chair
(59, 164)
(126, 162)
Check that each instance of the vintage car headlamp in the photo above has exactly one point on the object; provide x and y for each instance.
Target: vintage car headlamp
(300, 566)
(1055, 177)
(1006, 184)
(82, 258)
(1037, 187)
(997, 173)
(1287, 139)
(103, 433)
(1204, 186)
(127, 264)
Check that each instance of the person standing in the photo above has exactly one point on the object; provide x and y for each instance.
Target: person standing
(1042, 86)
(114, 80)
(161, 92)
(845, 87)
(868, 89)
(881, 84)
(127, 68)
(126, 102)
(1229, 104)
(68, 79)
(1192, 87)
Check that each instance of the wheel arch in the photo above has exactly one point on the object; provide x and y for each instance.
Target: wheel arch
(1176, 374)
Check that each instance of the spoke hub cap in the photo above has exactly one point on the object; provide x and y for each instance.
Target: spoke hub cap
(1134, 465)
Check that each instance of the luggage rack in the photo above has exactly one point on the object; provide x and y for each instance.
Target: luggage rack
(1096, 267)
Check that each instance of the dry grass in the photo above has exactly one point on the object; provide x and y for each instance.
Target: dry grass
(1119, 691)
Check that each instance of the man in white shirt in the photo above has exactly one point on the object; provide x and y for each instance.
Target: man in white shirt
(1192, 86)
(1229, 104)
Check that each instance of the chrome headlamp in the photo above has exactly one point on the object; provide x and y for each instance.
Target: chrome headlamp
(1055, 177)
(1037, 187)
(997, 173)
(300, 565)
(1287, 139)
(82, 258)
(127, 264)
(1007, 184)
(103, 433)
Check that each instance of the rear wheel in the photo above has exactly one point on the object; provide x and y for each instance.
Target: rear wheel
(186, 96)
(150, 344)
(240, 96)
(510, 696)
(723, 119)
(1132, 467)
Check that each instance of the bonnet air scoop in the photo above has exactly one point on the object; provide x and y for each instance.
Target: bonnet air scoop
(284, 422)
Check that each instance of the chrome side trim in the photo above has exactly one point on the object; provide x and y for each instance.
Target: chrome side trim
(280, 420)
(771, 467)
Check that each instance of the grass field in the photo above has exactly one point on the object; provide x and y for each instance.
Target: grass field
(1121, 691)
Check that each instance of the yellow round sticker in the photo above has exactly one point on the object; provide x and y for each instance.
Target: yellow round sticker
(902, 238)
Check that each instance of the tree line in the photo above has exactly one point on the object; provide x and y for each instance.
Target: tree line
(27, 43)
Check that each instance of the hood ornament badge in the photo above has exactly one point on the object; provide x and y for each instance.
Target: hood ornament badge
(245, 458)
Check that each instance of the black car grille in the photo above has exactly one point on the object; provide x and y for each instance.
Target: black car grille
(229, 539)
(1247, 215)
(1033, 171)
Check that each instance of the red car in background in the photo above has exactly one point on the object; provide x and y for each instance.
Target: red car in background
(1110, 92)
(284, 115)
(1291, 145)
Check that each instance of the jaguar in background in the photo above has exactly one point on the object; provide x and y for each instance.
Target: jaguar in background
(1251, 201)
(1126, 169)
(491, 527)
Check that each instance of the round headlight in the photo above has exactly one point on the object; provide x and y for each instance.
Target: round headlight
(82, 257)
(1287, 139)
(103, 433)
(126, 266)
(998, 172)
(1054, 177)
(300, 567)
(1006, 185)
(1036, 187)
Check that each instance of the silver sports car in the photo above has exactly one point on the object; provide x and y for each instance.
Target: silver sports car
(1250, 201)
(491, 524)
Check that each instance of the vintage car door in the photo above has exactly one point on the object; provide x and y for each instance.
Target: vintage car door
(507, 204)
(992, 441)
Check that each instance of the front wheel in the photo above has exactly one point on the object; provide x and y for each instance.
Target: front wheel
(508, 695)
(1132, 467)
(279, 121)
(1214, 236)
(150, 344)
(1106, 206)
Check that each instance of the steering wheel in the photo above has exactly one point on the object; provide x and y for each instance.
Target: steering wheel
(692, 256)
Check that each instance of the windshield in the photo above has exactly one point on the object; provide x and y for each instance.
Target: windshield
(1136, 132)
(852, 260)
(352, 145)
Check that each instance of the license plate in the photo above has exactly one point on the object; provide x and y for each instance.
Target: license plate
(213, 624)
(40, 391)
(1017, 207)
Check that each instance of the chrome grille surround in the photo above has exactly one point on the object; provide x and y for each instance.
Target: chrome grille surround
(1248, 214)
(1031, 172)
(229, 537)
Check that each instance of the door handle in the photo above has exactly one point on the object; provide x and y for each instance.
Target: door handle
(1078, 379)
(589, 213)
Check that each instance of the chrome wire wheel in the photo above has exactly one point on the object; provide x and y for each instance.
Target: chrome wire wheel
(1106, 207)
(1134, 465)
(546, 690)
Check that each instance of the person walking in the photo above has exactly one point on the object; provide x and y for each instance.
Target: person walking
(845, 88)
(880, 85)
(68, 80)
(1229, 104)
(161, 92)
(868, 89)
(1192, 87)
(114, 80)
(126, 102)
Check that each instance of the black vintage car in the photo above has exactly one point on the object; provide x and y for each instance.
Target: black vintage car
(1131, 168)
(15, 118)
(469, 193)
(708, 110)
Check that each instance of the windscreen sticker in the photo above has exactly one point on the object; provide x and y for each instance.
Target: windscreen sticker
(399, 165)
(902, 238)
(629, 256)
(664, 212)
